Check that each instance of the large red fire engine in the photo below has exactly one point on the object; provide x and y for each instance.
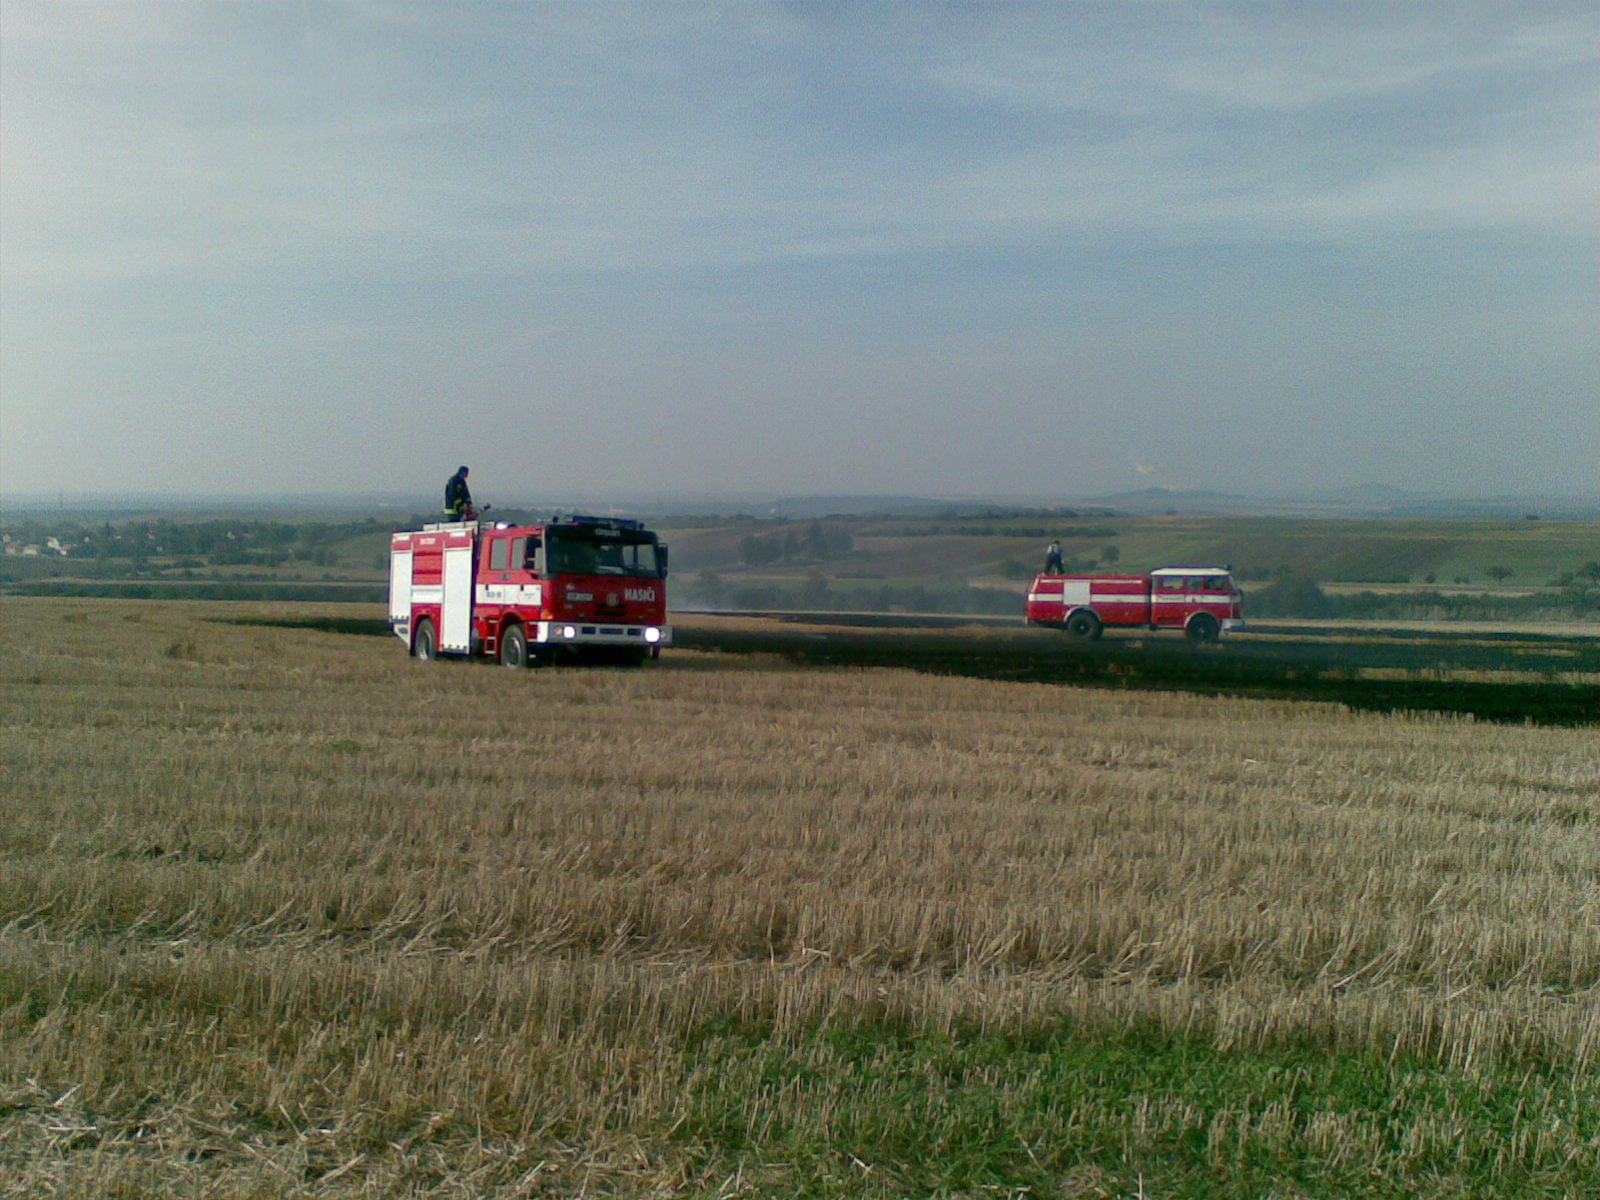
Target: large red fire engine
(522, 594)
(1201, 601)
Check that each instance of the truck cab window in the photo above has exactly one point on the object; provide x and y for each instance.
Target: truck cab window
(497, 554)
(583, 553)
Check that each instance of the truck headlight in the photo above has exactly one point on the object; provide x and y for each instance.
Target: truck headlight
(652, 634)
(569, 632)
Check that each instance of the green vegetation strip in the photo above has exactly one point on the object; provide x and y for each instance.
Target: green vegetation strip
(285, 591)
(876, 1111)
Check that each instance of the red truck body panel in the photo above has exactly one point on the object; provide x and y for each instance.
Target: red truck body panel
(1200, 600)
(582, 583)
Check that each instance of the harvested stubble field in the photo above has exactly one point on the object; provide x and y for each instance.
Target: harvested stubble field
(287, 914)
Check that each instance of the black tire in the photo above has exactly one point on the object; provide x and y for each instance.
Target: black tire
(513, 647)
(1202, 628)
(1083, 625)
(423, 644)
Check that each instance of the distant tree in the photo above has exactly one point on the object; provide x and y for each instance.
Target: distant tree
(814, 592)
(816, 542)
(1499, 573)
(712, 589)
(756, 550)
(1291, 595)
(1109, 554)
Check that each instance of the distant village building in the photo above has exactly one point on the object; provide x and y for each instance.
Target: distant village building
(16, 548)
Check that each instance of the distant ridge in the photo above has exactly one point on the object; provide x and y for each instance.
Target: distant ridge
(1371, 500)
(1355, 500)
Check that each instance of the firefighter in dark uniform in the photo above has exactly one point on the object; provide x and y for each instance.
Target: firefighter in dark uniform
(458, 498)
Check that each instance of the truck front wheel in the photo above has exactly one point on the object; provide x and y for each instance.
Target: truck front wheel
(1203, 628)
(1084, 625)
(513, 647)
(423, 645)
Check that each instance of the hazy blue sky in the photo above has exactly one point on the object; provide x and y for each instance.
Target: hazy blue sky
(946, 248)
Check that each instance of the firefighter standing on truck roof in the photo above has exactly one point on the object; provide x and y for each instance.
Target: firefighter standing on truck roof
(1052, 560)
(458, 497)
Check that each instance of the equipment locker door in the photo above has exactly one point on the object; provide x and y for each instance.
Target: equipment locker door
(455, 614)
(399, 586)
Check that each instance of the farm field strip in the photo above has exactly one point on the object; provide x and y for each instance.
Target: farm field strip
(285, 913)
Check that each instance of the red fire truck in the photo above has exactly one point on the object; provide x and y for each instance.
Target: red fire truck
(525, 594)
(1201, 601)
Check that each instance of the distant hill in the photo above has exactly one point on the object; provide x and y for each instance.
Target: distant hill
(1374, 500)
(1356, 500)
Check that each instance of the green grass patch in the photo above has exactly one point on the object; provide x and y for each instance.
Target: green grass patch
(869, 1110)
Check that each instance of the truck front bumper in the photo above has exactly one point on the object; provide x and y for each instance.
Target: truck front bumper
(592, 633)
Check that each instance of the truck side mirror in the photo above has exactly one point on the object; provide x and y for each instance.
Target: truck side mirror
(661, 557)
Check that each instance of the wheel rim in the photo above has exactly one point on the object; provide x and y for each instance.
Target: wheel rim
(513, 650)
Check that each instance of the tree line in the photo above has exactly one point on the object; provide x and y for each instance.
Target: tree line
(819, 543)
(216, 542)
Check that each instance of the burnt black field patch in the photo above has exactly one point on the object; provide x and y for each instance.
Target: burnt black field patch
(358, 626)
(1313, 669)
(1291, 664)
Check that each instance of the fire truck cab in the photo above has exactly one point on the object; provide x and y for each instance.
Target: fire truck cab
(1201, 601)
(524, 594)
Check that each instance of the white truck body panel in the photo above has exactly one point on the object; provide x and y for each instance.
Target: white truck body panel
(455, 614)
(400, 593)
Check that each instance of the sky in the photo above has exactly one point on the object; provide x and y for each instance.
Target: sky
(617, 250)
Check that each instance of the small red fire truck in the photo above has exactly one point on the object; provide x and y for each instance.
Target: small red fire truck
(523, 594)
(1201, 601)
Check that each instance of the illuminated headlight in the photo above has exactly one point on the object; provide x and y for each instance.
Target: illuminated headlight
(652, 634)
(569, 632)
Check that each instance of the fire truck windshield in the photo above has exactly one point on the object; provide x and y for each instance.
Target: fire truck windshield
(603, 552)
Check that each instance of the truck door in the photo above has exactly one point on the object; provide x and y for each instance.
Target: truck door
(1169, 601)
(507, 580)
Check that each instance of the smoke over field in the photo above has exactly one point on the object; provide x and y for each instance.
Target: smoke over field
(285, 913)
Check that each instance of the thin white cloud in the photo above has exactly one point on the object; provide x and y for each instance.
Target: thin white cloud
(182, 137)
(897, 207)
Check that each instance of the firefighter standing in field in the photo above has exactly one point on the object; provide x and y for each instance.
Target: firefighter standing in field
(458, 498)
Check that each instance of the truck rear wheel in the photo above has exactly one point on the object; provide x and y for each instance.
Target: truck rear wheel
(1203, 628)
(1084, 625)
(513, 647)
(423, 645)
